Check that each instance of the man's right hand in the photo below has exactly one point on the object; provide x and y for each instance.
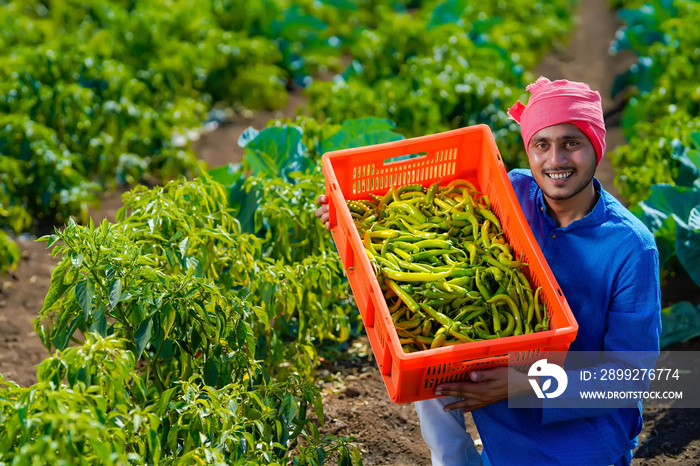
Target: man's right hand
(322, 212)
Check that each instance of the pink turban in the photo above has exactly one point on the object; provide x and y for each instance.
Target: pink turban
(558, 102)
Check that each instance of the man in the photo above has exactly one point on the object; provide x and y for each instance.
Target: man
(605, 262)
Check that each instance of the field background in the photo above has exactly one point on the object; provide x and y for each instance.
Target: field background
(355, 399)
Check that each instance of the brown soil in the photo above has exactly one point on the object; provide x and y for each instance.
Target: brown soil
(355, 399)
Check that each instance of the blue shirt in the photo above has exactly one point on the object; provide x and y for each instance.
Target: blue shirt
(607, 267)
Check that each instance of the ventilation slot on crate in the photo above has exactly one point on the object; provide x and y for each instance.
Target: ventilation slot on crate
(486, 363)
(523, 359)
(372, 177)
(458, 372)
(435, 375)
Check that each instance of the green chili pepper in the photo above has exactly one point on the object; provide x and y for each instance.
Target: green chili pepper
(459, 335)
(503, 259)
(460, 182)
(476, 313)
(544, 325)
(427, 327)
(415, 276)
(495, 272)
(422, 255)
(414, 196)
(480, 286)
(410, 209)
(383, 234)
(508, 331)
(462, 281)
(488, 215)
(394, 307)
(436, 294)
(434, 244)
(536, 302)
(358, 207)
(495, 318)
(396, 316)
(416, 232)
(484, 235)
(438, 341)
(403, 296)
(402, 254)
(410, 187)
(503, 298)
(384, 262)
(431, 192)
(494, 262)
(409, 324)
(438, 302)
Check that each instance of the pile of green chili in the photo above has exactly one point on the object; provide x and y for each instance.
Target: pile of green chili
(447, 272)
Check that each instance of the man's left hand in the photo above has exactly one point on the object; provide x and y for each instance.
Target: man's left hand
(483, 388)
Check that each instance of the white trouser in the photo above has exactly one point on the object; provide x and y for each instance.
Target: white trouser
(445, 433)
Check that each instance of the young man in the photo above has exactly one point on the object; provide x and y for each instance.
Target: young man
(606, 263)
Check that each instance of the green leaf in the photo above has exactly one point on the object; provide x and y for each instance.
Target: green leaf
(211, 372)
(317, 401)
(694, 219)
(277, 151)
(76, 259)
(688, 248)
(289, 407)
(695, 137)
(165, 400)
(245, 203)
(694, 157)
(143, 336)
(183, 246)
(248, 135)
(687, 172)
(51, 240)
(314, 432)
(447, 12)
(261, 315)
(99, 322)
(57, 286)
(673, 200)
(115, 293)
(226, 174)
(83, 294)
(321, 455)
(60, 340)
(679, 323)
(137, 422)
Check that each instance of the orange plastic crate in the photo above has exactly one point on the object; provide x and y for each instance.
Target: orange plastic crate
(468, 153)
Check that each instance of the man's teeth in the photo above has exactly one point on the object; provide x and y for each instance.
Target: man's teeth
(559, 176)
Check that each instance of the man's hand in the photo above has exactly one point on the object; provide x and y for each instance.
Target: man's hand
(322, 212)
(484, 388)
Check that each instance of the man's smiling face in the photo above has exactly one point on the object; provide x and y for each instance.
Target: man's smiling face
(562, 160)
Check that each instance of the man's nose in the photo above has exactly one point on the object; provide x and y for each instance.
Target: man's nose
(557, 156)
